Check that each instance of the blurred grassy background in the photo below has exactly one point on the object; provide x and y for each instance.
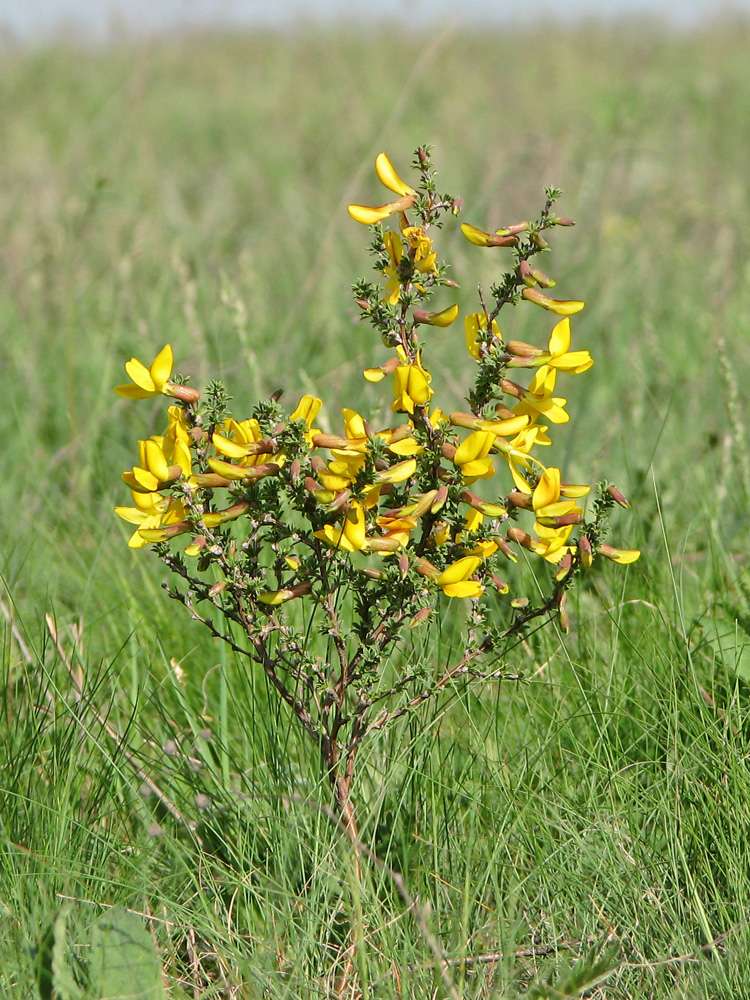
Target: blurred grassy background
(194, 192)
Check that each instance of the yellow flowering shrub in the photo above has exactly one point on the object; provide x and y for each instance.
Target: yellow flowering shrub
(270, 510)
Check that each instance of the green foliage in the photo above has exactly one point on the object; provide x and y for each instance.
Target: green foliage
(605, 793)
(122, 960)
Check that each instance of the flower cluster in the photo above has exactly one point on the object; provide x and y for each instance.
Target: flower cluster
(376, 507)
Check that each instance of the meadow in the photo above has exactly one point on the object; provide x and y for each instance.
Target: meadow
(194, 192)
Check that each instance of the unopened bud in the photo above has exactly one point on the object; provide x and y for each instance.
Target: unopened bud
(619, 498)
(514, 230)
(539, 240)
(311, 485)
(563, 567)
(403, 564)
(339, 501)
(512, 388)
(506, 550)
(448, 450)
(519, 499)
(521, 349)
(425, 568)
(210, 480)
(451, 283)
(585, 552)
(217, 588)
(363, 304)
(501, 586)
(295, 470)
(525, 273)
(516, 534)
(373, 574)
(420, 617)
(520, 603)
(458, 204)
(559, 221)
(440, 497)
(560, 521)
(182, 392)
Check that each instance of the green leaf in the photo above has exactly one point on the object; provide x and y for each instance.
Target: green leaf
(63, 980)
(123, 964)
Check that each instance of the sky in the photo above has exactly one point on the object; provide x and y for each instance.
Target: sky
(37, 20)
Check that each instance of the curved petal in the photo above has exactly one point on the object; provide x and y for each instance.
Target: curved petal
(161, 367)
(559, 340)
(140, 375)
(389, 178)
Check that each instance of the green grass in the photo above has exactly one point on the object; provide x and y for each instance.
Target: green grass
(194, 192)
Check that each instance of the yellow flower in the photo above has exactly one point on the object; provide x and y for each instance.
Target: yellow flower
(562, 307)
(395, 249)
(351, 535)
(454, 581)
(154, 381)
(411, 384)
(307, 410)
(421, 244)
(548, 507)
(621, 556)
(162, 460)
(481, 239)
(558, 356)
(394, 271)
(151, 510)
(473, 456)
(389, 178)
(538, 399)
(443, 318)
(475, 323)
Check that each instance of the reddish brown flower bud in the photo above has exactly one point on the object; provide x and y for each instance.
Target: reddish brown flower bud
(340, 500)
(514, 230)
(558, 221)
(500, 585)
(563, 567)
(512, 388)
(363, 304)
(425, 568)
(182, 392)
(619, 498)
(403, 564)
(295, 470)
(506, 550)
(448, 450)
(521, 349)
(217, 588)
(420, 617)
(440, 497)
(519, 499)
(516, 534)
(585, 552)
(210, 480)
